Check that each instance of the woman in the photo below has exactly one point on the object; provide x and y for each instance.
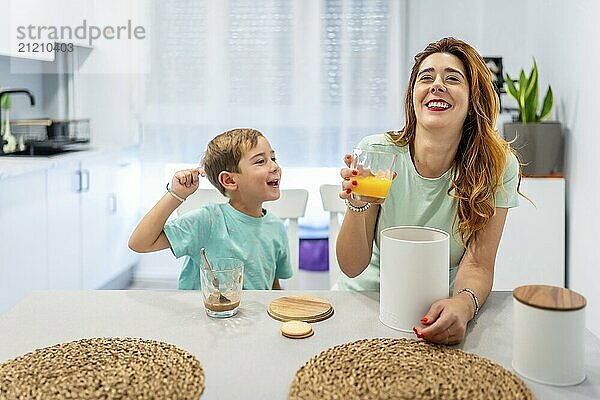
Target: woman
(454, 173)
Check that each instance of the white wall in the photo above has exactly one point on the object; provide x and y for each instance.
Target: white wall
(560, 34)
(21, 108)
(110, 77)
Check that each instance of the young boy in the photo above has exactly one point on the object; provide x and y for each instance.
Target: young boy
(240, 164)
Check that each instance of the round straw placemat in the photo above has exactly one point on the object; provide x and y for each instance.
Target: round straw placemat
(103, 368)
(372, 369)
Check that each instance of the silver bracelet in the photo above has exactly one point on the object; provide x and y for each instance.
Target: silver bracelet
(474, 298)
(178, 197)
(357, 209)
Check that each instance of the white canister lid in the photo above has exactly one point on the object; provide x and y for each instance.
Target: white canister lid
(549, 297)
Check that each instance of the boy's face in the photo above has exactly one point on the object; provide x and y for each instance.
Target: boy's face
(259, 176)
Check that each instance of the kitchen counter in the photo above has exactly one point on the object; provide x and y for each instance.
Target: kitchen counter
(11, 166)
(246, 356)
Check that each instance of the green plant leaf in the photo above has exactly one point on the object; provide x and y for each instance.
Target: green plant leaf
(510, 87)
(526, 92)
(532, 94)
(522, 106)
(532, 105)
(547, 105)
(532, 80)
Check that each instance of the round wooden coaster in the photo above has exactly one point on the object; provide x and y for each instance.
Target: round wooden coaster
(310, 320)
(296, 329)
(374, 369)
(103, 368)
(300, 308)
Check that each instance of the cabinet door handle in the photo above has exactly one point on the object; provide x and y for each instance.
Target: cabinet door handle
(85, 180)
(79, 188)
(112, 203)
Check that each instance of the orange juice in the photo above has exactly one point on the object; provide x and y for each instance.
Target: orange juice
(372, 186)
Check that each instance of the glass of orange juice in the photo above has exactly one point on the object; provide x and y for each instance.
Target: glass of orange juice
(375, 173)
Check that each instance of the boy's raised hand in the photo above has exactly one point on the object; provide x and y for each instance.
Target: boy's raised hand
(186, 181)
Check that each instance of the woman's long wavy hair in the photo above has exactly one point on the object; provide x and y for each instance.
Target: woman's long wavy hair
(482, 154)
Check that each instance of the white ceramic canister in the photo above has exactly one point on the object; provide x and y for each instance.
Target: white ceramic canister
(414, 273)
(548, 334)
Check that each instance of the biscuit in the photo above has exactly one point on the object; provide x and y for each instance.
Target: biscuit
(296, 329)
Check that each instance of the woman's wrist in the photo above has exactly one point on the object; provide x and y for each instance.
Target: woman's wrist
(357, 203)
(357, 208)
(469, 298)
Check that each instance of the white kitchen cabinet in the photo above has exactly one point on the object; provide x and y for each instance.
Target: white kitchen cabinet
(73, 14)
(532, 249)
(25, 13)
(64, 232)
(38, 13)
(65, 224)
(95, 221)
(23, 239)
(109, 211)
(124, 200)
(93, 207)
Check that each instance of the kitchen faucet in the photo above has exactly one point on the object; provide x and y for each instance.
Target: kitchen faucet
(13, 91)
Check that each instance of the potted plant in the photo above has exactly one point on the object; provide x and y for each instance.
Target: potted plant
(538, 143)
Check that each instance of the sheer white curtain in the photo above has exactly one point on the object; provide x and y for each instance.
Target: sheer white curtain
(313, 75)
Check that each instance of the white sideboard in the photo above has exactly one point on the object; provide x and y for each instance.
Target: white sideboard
(532, 249)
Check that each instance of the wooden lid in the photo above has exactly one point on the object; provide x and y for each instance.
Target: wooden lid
(549, 297)
(300, 308)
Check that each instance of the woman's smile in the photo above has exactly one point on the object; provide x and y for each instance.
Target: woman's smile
(437, 105)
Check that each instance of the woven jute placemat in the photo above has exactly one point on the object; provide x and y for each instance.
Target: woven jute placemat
(103, 368)
(372, 369)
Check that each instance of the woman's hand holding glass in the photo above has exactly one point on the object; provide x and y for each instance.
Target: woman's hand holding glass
(368, 177)
(349, 182)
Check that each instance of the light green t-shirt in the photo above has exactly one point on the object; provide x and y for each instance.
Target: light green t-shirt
(414, 200)
(261, 243)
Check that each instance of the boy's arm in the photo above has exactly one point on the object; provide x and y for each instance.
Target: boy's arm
(276, 285)
(149, 235)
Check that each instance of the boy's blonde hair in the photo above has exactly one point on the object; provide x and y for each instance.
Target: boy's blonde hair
(225, 151)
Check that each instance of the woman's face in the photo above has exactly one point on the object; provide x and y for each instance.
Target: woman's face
(441, 93)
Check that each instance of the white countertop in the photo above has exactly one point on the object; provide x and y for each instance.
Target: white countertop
(249, 345)
(11, 166)
(18, 165)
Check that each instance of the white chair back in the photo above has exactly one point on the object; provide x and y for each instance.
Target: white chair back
(330, 197)
(291, 206)
(200, 197)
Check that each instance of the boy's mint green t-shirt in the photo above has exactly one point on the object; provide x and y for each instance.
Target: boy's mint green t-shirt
(414, 200)
(261, 243)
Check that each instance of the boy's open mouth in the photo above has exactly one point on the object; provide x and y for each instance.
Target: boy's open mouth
(274, 183)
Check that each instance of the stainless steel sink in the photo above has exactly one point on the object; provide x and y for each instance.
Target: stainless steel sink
(38, 152)
(50, 147)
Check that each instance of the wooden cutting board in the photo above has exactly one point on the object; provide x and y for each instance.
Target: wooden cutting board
(300, 308)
